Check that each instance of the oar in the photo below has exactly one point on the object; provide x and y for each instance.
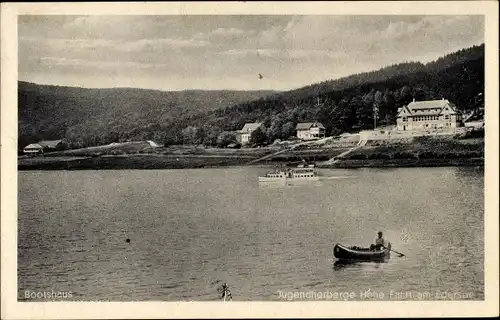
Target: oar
(400, 254)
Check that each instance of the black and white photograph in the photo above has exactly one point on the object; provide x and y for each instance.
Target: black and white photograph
(251, 156)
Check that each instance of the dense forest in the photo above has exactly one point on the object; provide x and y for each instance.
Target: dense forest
(97, 116)
(87, 117)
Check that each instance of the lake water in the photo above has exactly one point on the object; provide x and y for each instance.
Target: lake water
(189, 229)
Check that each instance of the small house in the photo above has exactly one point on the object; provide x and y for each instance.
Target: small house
(310, 130)
(245, 133)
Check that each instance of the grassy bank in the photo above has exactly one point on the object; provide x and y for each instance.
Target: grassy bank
(138, 161)
(136, 155)
(416, 152)
(402, 163)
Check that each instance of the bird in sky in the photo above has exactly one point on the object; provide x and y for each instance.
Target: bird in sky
(260, 76)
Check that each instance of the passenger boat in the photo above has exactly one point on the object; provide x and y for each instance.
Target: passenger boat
(301, 172)
(361, 254)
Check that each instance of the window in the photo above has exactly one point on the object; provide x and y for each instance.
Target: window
(405, 119)
(447, 117)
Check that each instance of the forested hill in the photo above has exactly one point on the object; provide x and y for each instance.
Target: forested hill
(403, 69)
(347, 104)
(98, 116)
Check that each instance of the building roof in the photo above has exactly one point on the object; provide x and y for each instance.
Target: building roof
(428, 108)
(308, 125)
(250, 126)
(33, 146)
(49, 143)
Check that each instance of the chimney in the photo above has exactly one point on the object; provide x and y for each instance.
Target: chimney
(413, 99)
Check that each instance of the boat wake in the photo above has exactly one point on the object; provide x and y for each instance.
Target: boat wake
(335, 177)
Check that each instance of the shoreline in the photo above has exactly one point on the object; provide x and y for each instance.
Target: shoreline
(148, 162)
(415, 152)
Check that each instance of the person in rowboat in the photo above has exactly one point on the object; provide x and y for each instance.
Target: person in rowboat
(379, 242)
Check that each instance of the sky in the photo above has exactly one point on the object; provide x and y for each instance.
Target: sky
(210, 52)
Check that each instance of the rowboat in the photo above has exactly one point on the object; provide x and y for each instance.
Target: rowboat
(354, 253)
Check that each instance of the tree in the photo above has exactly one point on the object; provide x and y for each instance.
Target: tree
(422, 93)
(274, 129)
(388, 111)
(288, 130)
(406, 95)
(379, 98)
(258, 137)
(159, 136)
(190, 135)
(225, 138)
(211, 135)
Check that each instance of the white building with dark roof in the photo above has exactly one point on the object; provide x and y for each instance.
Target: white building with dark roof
(246, 131)
(428, 115)
(310, 130)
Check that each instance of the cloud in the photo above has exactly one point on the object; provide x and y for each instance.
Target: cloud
(83, 44)
(271, 36)
(289, 49)
(160, 44)
(227, 32)
(445, 26)
(108, 27)
(356, 32)
(77, 63)
(223, 34)
(62, 43)
(284, 54)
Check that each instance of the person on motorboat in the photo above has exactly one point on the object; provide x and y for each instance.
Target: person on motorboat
(379, 242)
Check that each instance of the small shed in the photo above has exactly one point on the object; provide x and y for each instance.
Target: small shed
(33, 148)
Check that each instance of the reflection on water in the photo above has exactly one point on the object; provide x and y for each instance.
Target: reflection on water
(286, 183)
(343, 264)
(325, 178)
